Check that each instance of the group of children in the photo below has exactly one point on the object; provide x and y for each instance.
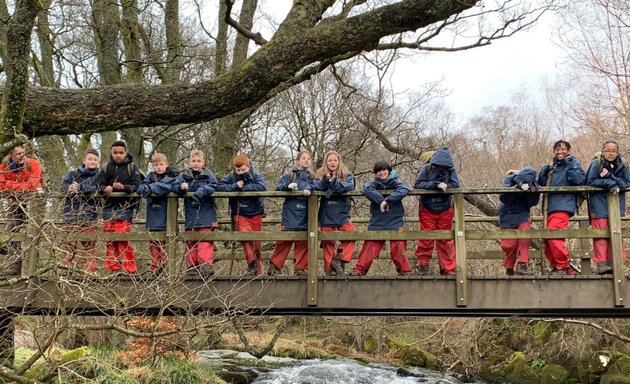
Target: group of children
(436, 212)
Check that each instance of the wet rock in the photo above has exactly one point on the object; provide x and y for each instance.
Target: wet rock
(518, 371)
(237, 376)
(553, 374)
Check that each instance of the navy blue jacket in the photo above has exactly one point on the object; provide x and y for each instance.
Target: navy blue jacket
(334, 210)
(244, 206)
(440, 169)
(120, 208)
(155, 187)
(200, 210)
(515, 207)
(393, 218)
(565, 172)
(618, 176)
(295, 209)
(81, 208)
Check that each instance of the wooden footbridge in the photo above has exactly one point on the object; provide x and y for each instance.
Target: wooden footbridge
(45, 287)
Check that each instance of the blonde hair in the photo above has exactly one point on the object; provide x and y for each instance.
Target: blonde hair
(197, 152)
(341, 172)
(157, 157)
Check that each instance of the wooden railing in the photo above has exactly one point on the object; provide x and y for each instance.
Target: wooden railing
(173, 234)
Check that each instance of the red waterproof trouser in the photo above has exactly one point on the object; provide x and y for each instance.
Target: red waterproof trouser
(252, 249)
(199, 252)
(557, 254)
(516, 249)
(329, 247)
(281, 252)
(601, 247)
(119, 254)
(429, 221)
(158, 254)
(371, 250)
(80, 253)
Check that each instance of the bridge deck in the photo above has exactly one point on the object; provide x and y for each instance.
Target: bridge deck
(489, 296)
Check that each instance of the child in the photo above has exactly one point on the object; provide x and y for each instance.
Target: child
(155, 187)
(564, 171)
(246, 212)
(436, 211)
(80, 211)
(609, 171)
(334, 210)
(514, 213)
(120, 175)
(200, 212)
(294, 216)
(386, 214)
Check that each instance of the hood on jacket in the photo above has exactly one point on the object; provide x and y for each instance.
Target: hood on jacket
(442, 158)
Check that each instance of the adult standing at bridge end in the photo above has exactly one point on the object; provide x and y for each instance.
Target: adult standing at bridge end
(610, 172)
(436, 211)
(565, 170)
(18, 174)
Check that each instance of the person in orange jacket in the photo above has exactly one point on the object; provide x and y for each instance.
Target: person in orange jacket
(18, 174)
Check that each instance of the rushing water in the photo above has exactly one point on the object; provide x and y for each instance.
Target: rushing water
(348, 372)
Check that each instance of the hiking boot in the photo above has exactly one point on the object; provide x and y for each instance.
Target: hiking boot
(509, 271)
(206, 270)
(337, 266)
(273, 270)
(422, 269)
(252, 269)
(355, 273)
(521, 269)
(603, 267)
(563, 272)
(300, 272)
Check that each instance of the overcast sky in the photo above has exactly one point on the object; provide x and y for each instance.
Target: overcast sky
(478, 77)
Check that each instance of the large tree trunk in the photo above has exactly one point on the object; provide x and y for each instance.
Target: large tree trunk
(278, 61)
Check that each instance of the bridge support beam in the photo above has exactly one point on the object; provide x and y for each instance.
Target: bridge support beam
(616, 246)
(460, 252)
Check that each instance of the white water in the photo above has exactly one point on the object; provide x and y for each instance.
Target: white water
(347, 372)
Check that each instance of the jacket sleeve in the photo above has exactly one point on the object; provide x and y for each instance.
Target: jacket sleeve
(254, 181)
(163, 187)
(227, 183)
(209, 188)
(66, 181)
(134, 181)
(593, 178)
(542, 176)
(321, 184)
(101, 179)
(176, 187)
(422, 179)
(575, 172)
(35, 176)
(401, 190)
(283, 183)
(453, 179)
(341, 186)
(370, 191)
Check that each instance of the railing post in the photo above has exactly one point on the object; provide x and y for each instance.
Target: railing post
(313, 248)
(172, 261)
(460, 251)
(616, 248)
(34, 219)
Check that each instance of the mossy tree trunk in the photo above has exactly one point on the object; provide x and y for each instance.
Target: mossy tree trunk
(227, 130)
